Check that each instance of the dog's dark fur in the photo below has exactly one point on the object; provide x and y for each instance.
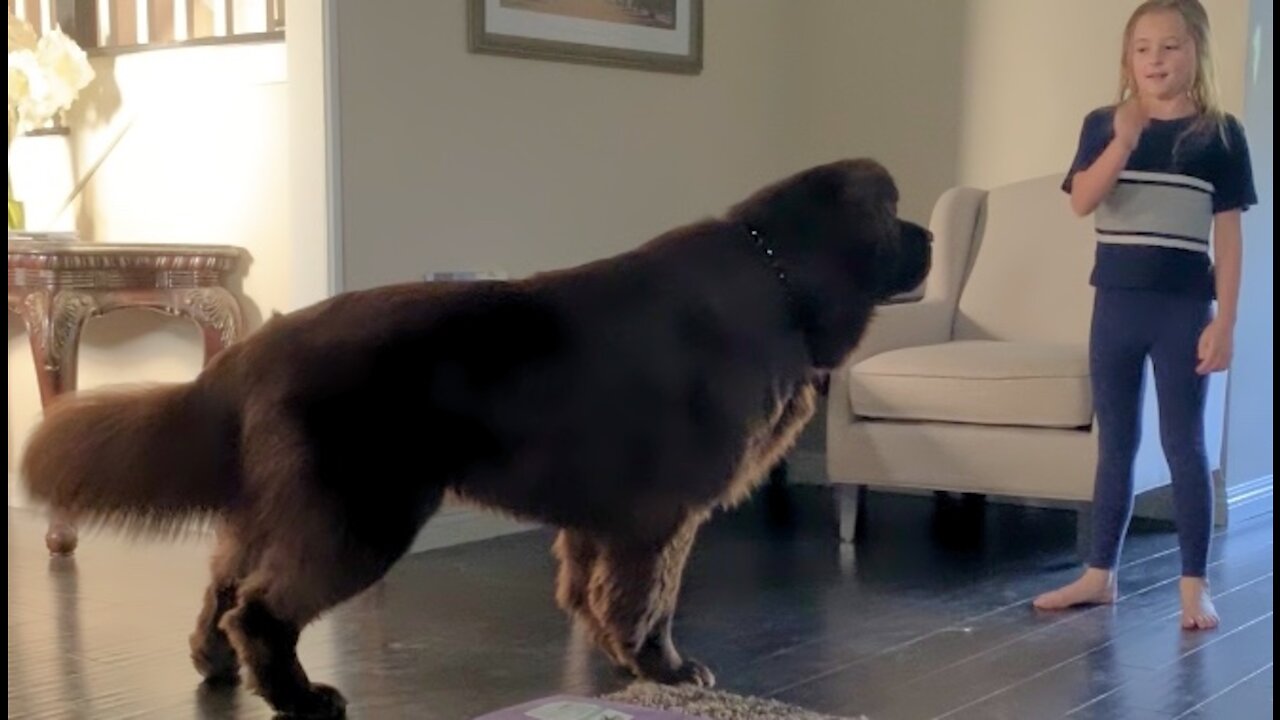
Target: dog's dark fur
(622, 401)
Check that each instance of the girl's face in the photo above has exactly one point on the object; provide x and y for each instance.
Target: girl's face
(1162, 56)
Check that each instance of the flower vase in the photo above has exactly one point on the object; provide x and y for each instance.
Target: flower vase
(17, 218)
(41, 178)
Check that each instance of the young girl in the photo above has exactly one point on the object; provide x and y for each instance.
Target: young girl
(1160, 170)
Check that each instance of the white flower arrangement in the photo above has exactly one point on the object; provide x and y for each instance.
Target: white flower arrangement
(45, 77)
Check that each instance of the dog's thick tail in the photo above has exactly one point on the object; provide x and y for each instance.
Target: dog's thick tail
(145, 459)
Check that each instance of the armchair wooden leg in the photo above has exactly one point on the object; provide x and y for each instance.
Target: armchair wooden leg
(849, 501)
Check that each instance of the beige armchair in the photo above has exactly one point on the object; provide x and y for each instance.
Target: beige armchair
(982, 386)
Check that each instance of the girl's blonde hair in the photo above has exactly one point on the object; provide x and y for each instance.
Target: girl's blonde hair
(1204, 88)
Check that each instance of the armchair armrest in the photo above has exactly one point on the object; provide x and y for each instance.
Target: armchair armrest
(903, 325)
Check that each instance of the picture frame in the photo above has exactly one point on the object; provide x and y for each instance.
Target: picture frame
(655, 35)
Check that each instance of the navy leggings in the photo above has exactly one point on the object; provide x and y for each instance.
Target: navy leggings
(1128, 327)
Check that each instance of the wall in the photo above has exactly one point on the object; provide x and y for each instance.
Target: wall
(312, 248)
(458, 161)
(1250, 451)
(879, 78)
(1032, 70)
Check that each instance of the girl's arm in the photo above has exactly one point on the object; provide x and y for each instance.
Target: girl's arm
(1228, 253)
(1091, 185)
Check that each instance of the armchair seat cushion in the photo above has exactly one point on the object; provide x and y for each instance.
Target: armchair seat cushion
(1022, 383)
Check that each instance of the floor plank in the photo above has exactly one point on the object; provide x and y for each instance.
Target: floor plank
(1203, 672)
(1252, 698)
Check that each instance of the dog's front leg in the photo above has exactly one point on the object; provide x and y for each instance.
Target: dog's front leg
(578, 554)
(633, 593)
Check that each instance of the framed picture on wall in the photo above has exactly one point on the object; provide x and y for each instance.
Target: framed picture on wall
(662, 35)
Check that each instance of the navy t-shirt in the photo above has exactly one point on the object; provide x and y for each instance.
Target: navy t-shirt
(1154, 226)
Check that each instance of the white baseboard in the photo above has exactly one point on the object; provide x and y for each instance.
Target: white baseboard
(459, 525)
(453, 525)
(1248, 499)
(1230, 504)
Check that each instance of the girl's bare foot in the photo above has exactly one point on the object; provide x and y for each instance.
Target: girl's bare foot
(1095, 587)
(1198, 612)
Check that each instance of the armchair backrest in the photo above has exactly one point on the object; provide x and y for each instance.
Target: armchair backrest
(955, 221)
(1029, 262)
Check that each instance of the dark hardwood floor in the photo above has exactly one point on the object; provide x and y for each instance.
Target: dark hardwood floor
(930, 619)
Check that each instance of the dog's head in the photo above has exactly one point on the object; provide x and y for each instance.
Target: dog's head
(836, 233)
(893, 255)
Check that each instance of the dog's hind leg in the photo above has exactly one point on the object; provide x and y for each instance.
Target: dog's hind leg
(264, 628)
(319, 554)
(320, 564)
(633, 592)
(211, 651)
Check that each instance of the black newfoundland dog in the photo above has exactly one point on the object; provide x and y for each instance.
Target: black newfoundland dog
(622, 401)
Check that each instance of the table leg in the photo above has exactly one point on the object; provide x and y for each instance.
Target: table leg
(218, 314)
(53, 322)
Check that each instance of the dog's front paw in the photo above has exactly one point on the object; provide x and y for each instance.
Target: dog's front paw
(689, 672)
(322, 703)
(693, 672)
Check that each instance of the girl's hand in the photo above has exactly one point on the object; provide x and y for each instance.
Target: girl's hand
(1129, 122)
(1215, 348)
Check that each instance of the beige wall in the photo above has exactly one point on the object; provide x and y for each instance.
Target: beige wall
(1034, 68)
(1250, 450)
(458, 161)
(879, 78)
(311, 238)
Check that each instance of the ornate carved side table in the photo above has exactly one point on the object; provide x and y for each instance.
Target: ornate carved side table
(57, 285)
